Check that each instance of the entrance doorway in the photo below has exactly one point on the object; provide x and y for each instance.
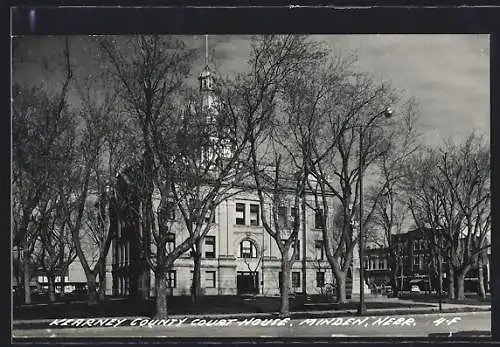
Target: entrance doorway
(247, 282)
(348, 284)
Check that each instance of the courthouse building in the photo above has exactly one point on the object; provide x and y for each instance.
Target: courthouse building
(238, 257)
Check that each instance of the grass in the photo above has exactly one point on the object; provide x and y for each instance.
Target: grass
(182, 305)
(470, 299)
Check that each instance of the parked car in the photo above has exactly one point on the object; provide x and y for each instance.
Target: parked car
(79, 290)
(415, 289)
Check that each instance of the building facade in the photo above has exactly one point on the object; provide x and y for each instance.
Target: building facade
(376, 265)
(419, 267)
(238, 256)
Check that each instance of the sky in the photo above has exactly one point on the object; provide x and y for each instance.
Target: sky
(448, 74)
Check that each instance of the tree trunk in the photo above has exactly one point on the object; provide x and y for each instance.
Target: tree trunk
(52, 287)
(394, 281)
(92, 292)
(340, 282)
(19, 272)
(482, 290)
(161, 295)
(440, 278)
(63, 281)
(285, 287)
(451, 283)
(102, 281)
(196, 284)
(460, 282)
(27, 278)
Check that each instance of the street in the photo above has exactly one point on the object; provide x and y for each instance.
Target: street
(377, 326)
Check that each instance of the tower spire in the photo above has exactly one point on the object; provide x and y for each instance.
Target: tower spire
(206, 76)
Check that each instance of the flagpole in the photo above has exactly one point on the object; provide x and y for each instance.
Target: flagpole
(206, 50)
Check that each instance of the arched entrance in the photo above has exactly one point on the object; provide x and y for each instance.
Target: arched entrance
(247, 281)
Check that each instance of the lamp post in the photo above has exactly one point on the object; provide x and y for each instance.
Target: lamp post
(387, 112)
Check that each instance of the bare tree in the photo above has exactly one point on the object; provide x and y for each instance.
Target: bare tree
(278, 182)
(211, 144)
(43, 129)
(466, 171)
(332, 104)
(392, 211)
(114, 151)
(279, 192)
(424, 204)
(88, 190)
(148, 72)
(451, 195)
(57, 250)
(76, 191)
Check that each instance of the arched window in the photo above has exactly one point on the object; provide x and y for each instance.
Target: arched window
(247, 249)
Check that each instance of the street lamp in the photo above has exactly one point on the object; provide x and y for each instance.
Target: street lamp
(387, 112)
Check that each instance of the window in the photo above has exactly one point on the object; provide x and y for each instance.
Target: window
(375, 263)
(367, 263)
(209, 246)
(318, 219)
(124, 252)
(318, 246)
(171, 210)
(293, 217)
(381, 263)
(170, 243)
(247, 249)
(416, 261)
(297, 252)
(254, 214)
(240, 214)
(171, 279)
(209, 279)
(422, 245)
(320, 279)
(295, 279)
(282, 217)
(207, 217)
(415, 245)
(208, 154)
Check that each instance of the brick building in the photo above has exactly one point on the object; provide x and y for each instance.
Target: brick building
(418, 264)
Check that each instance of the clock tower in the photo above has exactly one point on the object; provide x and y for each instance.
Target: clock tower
(221, 146)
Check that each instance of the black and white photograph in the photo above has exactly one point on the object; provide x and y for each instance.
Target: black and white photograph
(250, 186)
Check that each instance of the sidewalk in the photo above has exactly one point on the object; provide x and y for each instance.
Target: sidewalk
(432, 309)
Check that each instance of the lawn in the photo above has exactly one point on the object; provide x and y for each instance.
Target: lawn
(470, 299)
(182, 305)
